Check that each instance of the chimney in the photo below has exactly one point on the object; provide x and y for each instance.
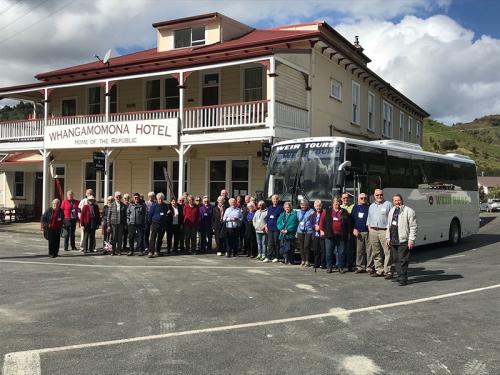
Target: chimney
(357, 45)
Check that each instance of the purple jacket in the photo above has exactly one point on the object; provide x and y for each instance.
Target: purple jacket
(272, 216)
(206, 214)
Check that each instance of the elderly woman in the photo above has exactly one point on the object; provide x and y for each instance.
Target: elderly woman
(90, 220)
(232, 221)
(259, 223)
(217, 223)
(287, 225)
(52, 223)
(126, 202)
(250, 235)
(317, 242)
(105, 223)
(304, 231)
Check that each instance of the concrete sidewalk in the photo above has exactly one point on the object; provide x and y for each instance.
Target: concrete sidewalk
(33, 228)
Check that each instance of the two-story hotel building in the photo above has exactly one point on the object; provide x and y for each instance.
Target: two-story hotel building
(200, 105)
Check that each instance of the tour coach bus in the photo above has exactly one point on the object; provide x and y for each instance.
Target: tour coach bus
(442, 189)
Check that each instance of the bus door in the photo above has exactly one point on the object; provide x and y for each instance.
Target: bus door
(355, 184)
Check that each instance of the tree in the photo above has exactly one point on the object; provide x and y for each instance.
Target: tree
(482, 194)
(448, 144)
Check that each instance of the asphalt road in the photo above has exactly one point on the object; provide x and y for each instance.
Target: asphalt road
(90, 314)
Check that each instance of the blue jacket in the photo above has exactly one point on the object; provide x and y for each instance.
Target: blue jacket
(206, 214)
(158, 213)
(305, 225)
(359, 216)
(273, 213)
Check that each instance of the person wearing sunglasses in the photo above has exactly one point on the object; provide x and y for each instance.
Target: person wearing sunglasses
(377, 225)
(359, 215)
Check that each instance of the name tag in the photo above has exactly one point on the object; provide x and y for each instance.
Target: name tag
(361, 215)
(383, 210)
(162, 213)
(58, 219)
(335, 219)
(302, 226)
(271, 217)
(394, 222)
(205, 214)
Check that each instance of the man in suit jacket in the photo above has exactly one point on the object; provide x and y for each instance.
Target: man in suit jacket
(117, 219)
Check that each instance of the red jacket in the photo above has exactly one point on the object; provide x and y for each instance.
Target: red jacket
(191, 215)
(66, 207)
(85, 217)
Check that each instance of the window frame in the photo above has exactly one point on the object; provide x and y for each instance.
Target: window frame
(98, 192)
(418, 129)
(89, 104)
(170, 167)
(332, 81)
(410, 127)
(391, 122)
(371, 124)
(75, 98)
(22, 183)
(243, 82)
(229, 179)
(191, 44)
(356, 107)
(401, 126)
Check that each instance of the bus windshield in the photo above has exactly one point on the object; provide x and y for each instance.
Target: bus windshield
(306, 169)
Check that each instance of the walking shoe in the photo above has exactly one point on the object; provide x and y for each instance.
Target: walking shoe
(402, 282)
(130, 254)
(342, 270)
(150, 255)
(335, 269)
(266, 260)
(219, 254)
(360, 270)
(275, 260)
(329, 270)
(307, 264)
(388, 276)
(376, 274)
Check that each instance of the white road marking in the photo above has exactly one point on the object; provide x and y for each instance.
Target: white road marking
(22, 363)
(307, 287)
(453, 256)
(12, 359)
(138, 266)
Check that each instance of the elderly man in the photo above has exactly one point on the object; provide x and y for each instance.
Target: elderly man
(232, 220)
(359, 215)
(377, 225)
(136, 217)
(117, 219)
(70, 210)
(400, 236)
(158, 219)
(224, 194)
(147, 224)
(88, 193)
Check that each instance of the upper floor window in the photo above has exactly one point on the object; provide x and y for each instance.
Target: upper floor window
(401, 126)
(113, 99)
(371, 110)
(94, 101)
(194, 36)
(336, 89)
(19, 184)
(387, 116)
(355, 102)
(418, 129)
(252, 89)
(410, 127)
(153, 95)
(171, 93)
(68, 107)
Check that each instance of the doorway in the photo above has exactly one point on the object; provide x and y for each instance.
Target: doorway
(37, 206)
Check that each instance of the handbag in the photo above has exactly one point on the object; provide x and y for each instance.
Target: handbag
(64, 232)
(45, 233)
(223, 231)
(284, 247)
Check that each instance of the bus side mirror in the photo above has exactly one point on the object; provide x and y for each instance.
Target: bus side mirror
(340, 175)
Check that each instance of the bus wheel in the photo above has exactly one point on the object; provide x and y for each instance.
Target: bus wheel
(454, 232)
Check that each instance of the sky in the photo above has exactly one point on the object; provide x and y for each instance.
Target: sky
(443, 54)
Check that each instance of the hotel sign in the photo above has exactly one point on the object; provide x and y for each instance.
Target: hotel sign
(113, 134)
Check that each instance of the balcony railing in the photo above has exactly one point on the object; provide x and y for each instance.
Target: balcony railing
(196, 119)
(21, 130)
(293, 117)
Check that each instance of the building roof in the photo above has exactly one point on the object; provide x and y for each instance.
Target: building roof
(489, 181)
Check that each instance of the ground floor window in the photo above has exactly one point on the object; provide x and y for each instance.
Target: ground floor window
(19, 184)
(94, 179)
(232, 175)
(160, 184)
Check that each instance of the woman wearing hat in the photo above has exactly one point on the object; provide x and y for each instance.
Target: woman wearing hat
(90, 220)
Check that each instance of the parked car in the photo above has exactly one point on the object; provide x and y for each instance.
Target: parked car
(493, 205)
(483, 206)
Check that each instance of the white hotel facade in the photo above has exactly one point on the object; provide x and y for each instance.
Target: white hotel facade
(206, 98)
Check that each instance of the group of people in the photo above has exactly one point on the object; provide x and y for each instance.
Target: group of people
(374, 239)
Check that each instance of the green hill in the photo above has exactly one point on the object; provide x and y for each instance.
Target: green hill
(479, 139)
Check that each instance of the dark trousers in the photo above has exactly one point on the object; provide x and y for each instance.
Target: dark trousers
(318, 247)
(181, 238)
(401, 257)
(350, 252)
(54, 239)
(116, 237)
(241, 238)
(155, 238)
(173, 232)
(273, 244)
(136, 232)
(219, 242)
(250, 242)
(232, 240)
(125, 236)
(190, 238)
(88, 239)
(206, 239)
(304, 246)
(70, 226)
(147, 230)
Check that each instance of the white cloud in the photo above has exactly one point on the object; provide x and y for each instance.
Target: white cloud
(434, 61)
